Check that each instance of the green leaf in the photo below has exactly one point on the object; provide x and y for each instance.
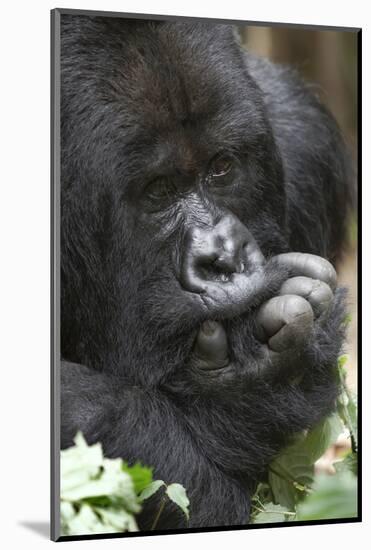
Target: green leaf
(333, 497)
(347, 403)
(352, 414)
(291, 474)
(342, 360)
(67, 512)
(117, 519)
(263, 495)
(320, 438)
(112, 483)
(290, 470)
(349, 463)
(141, 475)
(121, 483)
(85, 521)
(273, 513)
(97, 495)
(101, 495)
(347, 319)
(151, 489)
(177, 494)
(79, 464)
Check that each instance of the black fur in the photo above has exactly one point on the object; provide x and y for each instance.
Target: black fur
(134, 92)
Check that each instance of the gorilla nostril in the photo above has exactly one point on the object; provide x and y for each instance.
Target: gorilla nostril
(225, 264)
(216, 270)
(215, 254)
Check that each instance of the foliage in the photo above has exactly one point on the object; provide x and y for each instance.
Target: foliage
(175, 492)
(97, 495)
(101, 495)
(332, 497)
(291, 491)
(141, 475)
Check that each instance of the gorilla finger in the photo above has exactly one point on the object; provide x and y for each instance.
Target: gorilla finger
(211, 347)
(316, 292)
(309, 265)
(285, 322)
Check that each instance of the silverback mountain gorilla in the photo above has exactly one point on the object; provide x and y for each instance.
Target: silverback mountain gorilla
(204, 196)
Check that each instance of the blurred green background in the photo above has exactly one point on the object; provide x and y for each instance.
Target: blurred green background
(327, 58)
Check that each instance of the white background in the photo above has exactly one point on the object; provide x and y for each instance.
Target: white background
(24, 273)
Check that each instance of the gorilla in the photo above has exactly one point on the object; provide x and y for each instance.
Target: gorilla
(204, 197)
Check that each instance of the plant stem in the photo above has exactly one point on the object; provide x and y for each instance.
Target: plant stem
(291, 480)
(278, 512)
(159, 512)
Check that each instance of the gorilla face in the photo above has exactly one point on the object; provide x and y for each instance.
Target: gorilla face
(178, 204)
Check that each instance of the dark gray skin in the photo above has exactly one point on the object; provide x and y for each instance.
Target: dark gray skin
(283, 322)
(224, 266)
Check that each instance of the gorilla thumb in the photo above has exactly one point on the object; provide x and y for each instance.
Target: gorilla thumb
(211, 347)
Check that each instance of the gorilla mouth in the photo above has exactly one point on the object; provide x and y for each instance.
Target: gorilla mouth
(222, 301)
(224, 267)
(218, 255)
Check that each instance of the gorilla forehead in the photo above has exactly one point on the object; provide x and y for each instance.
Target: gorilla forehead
(184, 79)
(182, 71)
(158, 87)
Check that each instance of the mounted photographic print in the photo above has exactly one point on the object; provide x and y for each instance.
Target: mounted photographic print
(204, 281)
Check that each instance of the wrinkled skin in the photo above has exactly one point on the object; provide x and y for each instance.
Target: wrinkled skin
(204, 199)
(285, 322)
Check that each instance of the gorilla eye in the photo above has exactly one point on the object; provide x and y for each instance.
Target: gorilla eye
(160, 189)
(221, 166)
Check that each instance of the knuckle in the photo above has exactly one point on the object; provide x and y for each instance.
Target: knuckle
(296, 306)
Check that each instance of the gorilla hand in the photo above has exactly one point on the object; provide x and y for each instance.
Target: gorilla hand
(285, 322)
(211, 346)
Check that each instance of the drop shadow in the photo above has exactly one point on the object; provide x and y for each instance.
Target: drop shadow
(42, 528)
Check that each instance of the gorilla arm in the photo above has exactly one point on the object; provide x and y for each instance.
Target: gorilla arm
(291, 385)
(217, 435)
(139, 424)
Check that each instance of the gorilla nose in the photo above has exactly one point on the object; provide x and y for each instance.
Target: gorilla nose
(214, 254)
